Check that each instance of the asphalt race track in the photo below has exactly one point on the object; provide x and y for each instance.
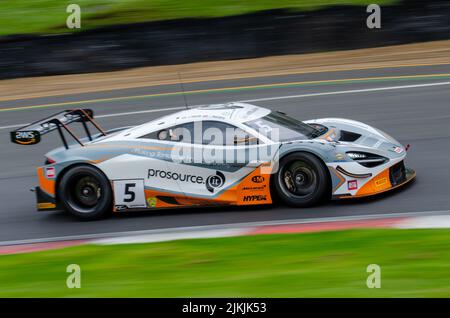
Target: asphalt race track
(410, 103)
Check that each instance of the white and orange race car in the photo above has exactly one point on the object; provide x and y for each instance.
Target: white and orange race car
(227, 154)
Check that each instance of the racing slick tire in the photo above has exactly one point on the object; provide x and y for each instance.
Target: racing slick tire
(85, 192)
(302, 180)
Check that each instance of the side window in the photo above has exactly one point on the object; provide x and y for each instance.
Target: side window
(183, 132)
(223, 134)
(212, 133)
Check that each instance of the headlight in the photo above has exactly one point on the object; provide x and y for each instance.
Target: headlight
(357, 155)
(366, 159)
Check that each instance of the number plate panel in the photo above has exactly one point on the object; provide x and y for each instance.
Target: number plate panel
(129, 194)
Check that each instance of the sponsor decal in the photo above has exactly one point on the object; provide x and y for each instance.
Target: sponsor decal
(340, 156)
(50, 172)
(254, 188)
(352, 184)
(215, 181)
(398, 149)
(381, 182)
(252, 198)
(212, 182)
(25, 137)
(174, 176)
(258, 179)
(151, 202)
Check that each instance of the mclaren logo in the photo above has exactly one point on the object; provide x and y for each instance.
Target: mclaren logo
(215, 181)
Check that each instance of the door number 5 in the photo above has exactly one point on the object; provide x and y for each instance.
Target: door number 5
(129, 193)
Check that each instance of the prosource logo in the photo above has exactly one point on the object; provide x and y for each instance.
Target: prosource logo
(212, 182)
(174, 176)
(215, 181)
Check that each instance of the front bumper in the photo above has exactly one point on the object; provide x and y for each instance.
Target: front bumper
(399, 176)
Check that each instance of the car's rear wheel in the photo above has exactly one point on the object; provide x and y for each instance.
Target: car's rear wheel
(85, 192)
(302, 180)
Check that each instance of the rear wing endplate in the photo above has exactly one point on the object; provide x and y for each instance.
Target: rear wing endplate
(31, 134)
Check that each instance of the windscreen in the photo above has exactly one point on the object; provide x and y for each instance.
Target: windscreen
(280, 127)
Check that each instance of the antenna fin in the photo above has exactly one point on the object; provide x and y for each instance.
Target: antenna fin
(182, 90)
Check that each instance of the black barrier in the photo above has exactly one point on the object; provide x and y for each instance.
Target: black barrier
(260, 34)
(227, 307)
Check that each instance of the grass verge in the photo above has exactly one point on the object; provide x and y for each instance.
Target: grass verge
(49, 16)
(414, 263)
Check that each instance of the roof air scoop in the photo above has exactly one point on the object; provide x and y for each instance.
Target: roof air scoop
(348, 136)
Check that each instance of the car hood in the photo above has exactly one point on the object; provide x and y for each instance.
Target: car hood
(354, 133)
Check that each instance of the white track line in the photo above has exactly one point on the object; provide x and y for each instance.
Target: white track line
(426, 222)
(14, 126)
(170, 236)
(228, 226)
(119, 114)
(144, 111)
(353, 91)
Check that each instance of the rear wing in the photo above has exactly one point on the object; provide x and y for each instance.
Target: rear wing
(31, 134)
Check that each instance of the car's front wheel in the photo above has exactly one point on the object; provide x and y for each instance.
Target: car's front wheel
(85, 192)
(302, 180)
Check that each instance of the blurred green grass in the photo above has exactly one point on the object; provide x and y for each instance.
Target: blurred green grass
(49, 16)
(414, 263)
